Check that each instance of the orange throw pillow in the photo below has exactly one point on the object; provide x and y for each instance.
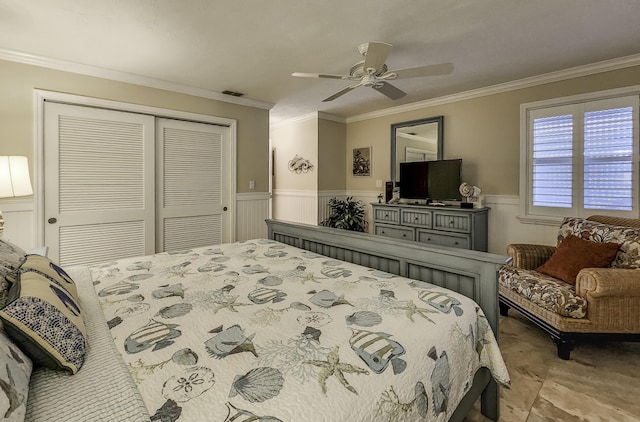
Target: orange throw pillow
(574, 254)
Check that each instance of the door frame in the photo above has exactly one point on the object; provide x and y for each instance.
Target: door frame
(40, 96)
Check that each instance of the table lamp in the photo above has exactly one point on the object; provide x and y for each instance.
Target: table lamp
(14, 179)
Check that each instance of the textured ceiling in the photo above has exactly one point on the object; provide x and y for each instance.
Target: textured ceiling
(253, 46)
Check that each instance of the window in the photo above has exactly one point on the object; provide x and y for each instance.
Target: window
(580, 157)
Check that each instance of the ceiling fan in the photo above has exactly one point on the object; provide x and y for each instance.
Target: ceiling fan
(373, 72)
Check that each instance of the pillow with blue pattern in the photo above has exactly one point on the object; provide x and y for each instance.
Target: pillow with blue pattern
(43, 315)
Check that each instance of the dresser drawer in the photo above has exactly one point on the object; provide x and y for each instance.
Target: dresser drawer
(439, 239)
(417, 218)
(386, 215)
(395, 232)
(452, 222)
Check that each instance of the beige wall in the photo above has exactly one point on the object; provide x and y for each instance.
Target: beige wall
(299, 138)
(332, 157)
(318, 140)
(484, 131)
(17, 82)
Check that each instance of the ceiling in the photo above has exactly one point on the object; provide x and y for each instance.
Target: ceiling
(253, 46)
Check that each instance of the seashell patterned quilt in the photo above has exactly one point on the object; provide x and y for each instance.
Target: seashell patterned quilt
(263, 331)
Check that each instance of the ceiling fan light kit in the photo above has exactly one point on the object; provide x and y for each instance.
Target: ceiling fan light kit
(373, 72)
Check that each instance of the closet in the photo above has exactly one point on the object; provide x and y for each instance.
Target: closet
(121, 184)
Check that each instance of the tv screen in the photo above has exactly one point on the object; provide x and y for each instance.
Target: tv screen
(434, 180)
(413, 180)
(443, 180)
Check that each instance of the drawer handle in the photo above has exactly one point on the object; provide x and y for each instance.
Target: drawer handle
(386, 216)
(382, 231)
(404, 235)
(416, 219)
(455, 243)
(451, 223)
(428, 238)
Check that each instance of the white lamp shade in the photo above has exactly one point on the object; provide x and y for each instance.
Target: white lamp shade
(14, 177)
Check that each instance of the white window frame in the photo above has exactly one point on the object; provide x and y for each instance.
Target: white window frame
(550, 215)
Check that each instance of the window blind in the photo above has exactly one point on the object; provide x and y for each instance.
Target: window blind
(553, 161)
(608, 155)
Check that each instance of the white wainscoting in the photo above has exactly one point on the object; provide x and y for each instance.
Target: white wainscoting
(300, 206)
(291, 205)
(20, 222)
(505, 228)
(251, 211)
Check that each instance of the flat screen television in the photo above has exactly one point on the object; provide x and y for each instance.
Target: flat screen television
(434, 180)
(413, 180)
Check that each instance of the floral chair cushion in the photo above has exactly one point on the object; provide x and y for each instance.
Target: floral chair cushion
(545, 291)
(628, 238)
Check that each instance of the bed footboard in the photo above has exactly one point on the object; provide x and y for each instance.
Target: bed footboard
(471, 273)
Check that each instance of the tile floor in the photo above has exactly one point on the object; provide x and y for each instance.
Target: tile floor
(601, 382)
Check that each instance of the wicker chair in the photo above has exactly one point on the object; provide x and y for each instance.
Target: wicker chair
(612, 296)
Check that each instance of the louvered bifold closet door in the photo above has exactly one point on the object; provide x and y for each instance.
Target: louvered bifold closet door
(99, 184)
(192, 199)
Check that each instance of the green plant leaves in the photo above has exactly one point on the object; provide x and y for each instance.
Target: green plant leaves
(346, 214)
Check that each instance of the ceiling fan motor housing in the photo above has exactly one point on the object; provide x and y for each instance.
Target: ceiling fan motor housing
(358, 70)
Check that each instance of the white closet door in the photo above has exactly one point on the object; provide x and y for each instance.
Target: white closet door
(99, 184)
(193, 206)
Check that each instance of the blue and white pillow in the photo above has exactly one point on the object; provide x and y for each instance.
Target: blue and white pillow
(43, 315)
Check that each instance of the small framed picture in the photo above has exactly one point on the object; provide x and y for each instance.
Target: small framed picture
(362, 161)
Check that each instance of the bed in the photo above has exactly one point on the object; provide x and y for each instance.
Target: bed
(311, 324)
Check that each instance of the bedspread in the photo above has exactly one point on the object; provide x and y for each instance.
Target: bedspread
(259, 330)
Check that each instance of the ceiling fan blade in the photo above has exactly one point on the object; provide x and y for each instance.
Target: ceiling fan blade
(320, 75)
(340, 93)
(431, 70)
(377, 53)
(390, 91)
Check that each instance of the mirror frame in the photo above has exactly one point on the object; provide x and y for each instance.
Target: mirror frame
(394, 126)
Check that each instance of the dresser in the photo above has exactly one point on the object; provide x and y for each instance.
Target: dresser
(464, 228)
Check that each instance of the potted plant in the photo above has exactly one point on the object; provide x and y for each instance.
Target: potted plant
(347, 214)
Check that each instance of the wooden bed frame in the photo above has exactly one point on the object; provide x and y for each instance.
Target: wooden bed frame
(471, 273)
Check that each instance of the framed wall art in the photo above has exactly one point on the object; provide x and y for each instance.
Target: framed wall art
(362, 161)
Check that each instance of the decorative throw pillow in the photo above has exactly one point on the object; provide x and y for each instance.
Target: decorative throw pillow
(15, 372)
(43, 315)
(574, 254)
(46, 268)
(11, 257)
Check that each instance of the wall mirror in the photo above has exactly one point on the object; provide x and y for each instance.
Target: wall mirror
(416, 140)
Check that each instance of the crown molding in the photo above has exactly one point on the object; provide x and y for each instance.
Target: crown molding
(574, 72)
(327, 116)
(309, 116)
(298, 119)
(114, 75)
